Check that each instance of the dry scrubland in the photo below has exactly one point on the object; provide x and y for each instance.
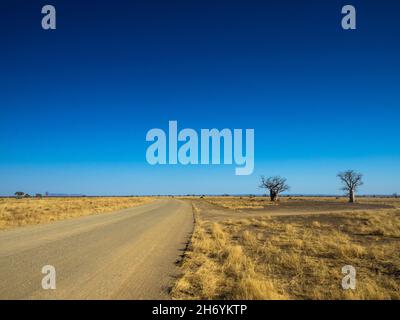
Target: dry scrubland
(262, 254)
(301, 203)
(28, 211)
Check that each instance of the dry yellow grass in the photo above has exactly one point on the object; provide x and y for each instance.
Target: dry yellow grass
(293, 257)
(215, 268)
(28, 211)
(240, 202)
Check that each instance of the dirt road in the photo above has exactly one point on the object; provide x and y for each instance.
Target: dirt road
(129, 254)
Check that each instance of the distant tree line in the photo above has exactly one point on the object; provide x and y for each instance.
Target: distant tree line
(20, 195)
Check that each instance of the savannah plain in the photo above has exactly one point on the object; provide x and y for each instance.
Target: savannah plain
(30, 211)
(252, 248)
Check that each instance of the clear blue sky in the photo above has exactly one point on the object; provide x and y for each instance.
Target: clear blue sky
(76, 103)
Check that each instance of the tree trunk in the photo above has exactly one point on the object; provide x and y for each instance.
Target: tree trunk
(273, 195)
(352, 197)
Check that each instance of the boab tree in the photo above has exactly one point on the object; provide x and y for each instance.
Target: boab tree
(275, 185)
(351, 180)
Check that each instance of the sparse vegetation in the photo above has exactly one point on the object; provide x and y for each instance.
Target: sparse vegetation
(239, 203)
(292, 256)
(297, 204)
(27, 211)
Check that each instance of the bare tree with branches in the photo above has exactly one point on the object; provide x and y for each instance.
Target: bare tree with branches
(275, 185)
(351, 180)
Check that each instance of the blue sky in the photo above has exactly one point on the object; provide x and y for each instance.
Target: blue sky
(76, 103)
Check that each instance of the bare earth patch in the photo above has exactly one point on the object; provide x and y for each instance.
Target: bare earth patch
(20, 212)
(282, 256)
